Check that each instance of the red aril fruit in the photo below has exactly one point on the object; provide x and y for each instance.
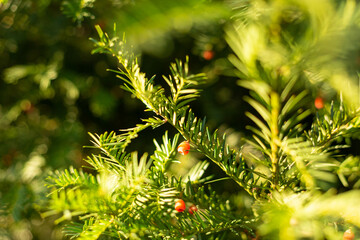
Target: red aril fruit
(184, 148)
(348, 235)
(192, 209)
(319, 102)
(208, 55)
(180, 205)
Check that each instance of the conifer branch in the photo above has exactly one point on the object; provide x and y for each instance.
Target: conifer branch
(130, 196)
(334, 123)
(175, 110)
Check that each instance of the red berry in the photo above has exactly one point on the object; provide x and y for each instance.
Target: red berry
(184, 148)
(348, 235)
(192, 209)
(180, 205)
(208, 55)
(319, 103)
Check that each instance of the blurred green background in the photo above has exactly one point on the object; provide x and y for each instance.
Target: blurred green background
(53, 91)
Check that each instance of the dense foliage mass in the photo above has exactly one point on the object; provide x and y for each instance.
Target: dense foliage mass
(291, 173)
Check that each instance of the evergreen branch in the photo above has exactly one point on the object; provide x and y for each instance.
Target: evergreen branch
(165, 153)
(210, 222)
(94, 228)
(101, 163)
(338, 122)
(194, 175)
(349, 172)
(274, 121)
(71, 178)
(135, 195)
(298, 211)
(132, 133)
(193, 129)
(91, 228)
(216, 149)
(113, 145)
(77, 10)
(311, 162)
(277, 122)
(110, 185)
(279, 126)
(203, 221)
(74, 203)
(180, 83)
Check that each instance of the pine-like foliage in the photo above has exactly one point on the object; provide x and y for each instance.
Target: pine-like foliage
(77, 10)
(284, 52)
